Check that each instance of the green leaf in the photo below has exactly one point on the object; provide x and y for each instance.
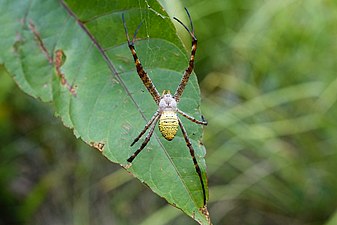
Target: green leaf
(75, 55)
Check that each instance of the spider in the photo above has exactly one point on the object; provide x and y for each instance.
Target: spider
(166, 113)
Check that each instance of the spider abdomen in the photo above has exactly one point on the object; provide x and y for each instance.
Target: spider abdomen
(168, 124)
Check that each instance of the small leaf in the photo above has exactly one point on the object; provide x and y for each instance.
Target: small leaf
(75, 55)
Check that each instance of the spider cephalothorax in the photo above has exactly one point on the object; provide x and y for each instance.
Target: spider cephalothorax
(167, 110)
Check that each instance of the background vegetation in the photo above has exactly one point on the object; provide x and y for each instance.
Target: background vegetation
(267, 75)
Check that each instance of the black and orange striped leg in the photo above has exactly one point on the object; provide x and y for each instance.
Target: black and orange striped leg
(190, 67)
(147, 139)
(141, 72)
(196, 165)
(202, 122)
(155, 115)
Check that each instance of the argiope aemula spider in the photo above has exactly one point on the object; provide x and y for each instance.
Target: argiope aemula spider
(167, 110)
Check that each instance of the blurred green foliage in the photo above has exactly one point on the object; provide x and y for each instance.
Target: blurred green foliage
(267, 74)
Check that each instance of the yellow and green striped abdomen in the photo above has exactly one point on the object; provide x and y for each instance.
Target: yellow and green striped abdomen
(168, 124)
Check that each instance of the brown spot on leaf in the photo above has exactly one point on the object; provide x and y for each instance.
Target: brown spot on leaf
(39, 41)
(60, 58)
(205, 212)
(98, 145)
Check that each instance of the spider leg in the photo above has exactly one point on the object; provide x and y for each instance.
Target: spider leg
(147, 139)
(155, 115)
(141, 72)
(190, 67)
(202, 122)
(196, 165)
